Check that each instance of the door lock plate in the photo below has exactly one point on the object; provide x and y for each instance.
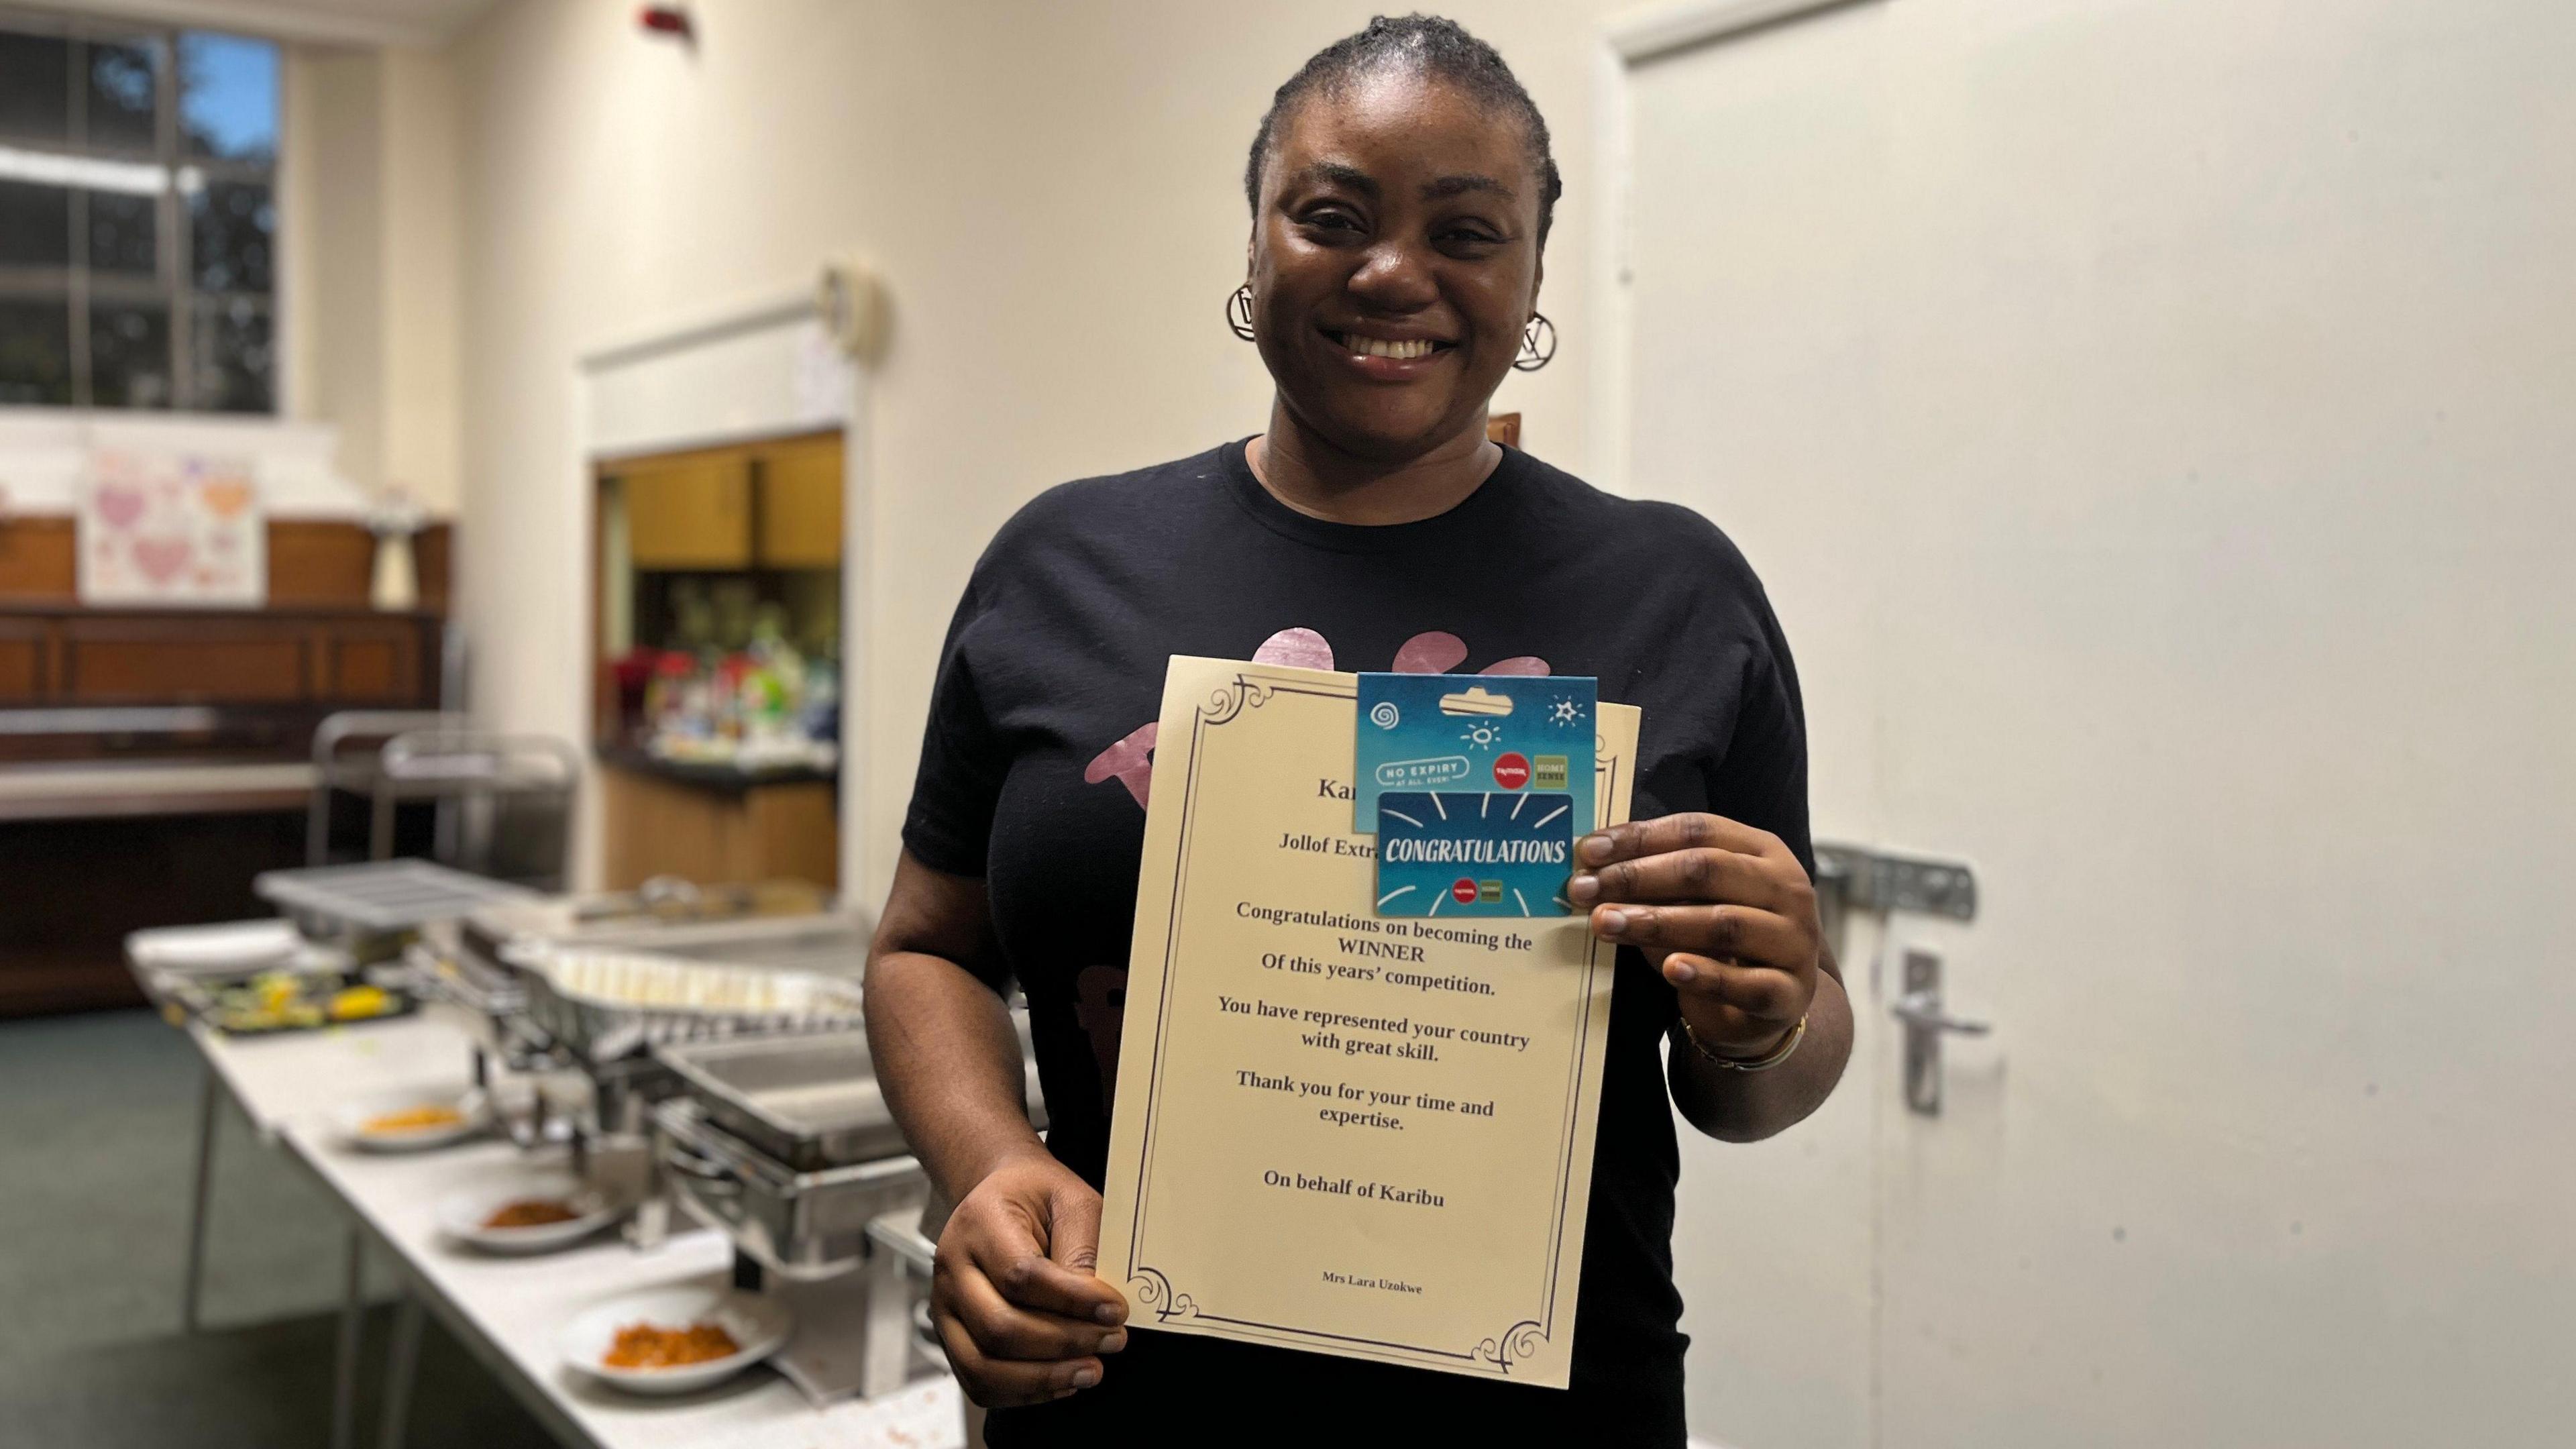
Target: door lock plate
(1874, 881)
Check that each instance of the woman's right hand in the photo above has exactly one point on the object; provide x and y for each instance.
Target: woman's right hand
(1012, 1291)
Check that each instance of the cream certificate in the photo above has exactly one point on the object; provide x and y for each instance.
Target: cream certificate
(1334, 1131)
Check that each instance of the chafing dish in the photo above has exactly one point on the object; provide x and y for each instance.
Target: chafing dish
(841, 1245)
(786, 1145)
(604, 1080)
(477, 957)
(802, 1225)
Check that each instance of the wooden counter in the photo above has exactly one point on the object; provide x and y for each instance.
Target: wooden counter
(711, 825)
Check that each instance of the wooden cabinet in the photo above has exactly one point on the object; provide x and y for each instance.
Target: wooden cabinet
(182, 661)
(658, 822)
(314, 561)
(799, 504)
(39, 559)
(318, 659)
(688, 512)
(365, 664)
(22, 661)
(761, 505)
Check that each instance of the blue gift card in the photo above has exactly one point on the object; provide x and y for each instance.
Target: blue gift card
(1474, 732)
(1489, 853)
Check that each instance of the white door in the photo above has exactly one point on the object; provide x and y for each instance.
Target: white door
(2156, 424)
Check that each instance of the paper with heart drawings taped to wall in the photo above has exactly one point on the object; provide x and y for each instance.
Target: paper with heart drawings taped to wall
(172, 528)
(1335, 1131)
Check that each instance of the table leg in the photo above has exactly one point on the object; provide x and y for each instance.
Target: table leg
(193, 1288)
(401, 1358)
(344, 1370)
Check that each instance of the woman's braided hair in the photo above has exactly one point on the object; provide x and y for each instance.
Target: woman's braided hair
(1427, 45)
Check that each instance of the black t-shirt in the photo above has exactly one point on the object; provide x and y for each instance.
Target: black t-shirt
(1033, 777)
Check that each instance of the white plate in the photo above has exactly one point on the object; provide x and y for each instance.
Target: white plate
(351, 1119)
(462, 1214)
(234, 945)
(758, 1323)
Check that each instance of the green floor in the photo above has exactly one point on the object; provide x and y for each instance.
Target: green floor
(97, 1130)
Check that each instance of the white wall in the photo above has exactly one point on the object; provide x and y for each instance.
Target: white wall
(423, 426)
(2153, 420)
(370, 265)
(333, 251)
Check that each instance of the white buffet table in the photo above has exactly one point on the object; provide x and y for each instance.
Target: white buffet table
(507, 1310)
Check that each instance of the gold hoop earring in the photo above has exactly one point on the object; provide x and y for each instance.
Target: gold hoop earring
(1238, 311)
(1538, 343)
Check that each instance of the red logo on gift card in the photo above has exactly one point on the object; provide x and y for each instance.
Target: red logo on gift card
(1463, 891)
(1512, 771)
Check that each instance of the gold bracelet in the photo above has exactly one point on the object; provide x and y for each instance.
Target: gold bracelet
(1762, 1063)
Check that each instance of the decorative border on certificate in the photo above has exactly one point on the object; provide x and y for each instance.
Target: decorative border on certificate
(1175, 1304)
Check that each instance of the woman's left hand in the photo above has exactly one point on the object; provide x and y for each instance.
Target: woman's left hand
(1723, 910)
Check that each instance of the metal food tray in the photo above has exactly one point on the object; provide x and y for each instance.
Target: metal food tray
(811, 1101)
(602, 1025)
(801, 1225)
(379, 898)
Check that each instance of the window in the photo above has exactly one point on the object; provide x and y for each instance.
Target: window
(138, 217)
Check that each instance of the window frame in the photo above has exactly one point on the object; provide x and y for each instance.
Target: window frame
(173, 284)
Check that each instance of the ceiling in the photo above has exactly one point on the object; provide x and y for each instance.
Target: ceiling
(345, 22)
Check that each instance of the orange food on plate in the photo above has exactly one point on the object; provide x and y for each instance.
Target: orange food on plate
(531, 1212)
(650, 1346)
(413, 1119)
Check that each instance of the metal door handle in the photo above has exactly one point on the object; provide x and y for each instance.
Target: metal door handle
(1925, 1024)
(1921, 1010)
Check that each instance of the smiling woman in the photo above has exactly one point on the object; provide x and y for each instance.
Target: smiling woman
(1401, 191)
(1395, 254)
